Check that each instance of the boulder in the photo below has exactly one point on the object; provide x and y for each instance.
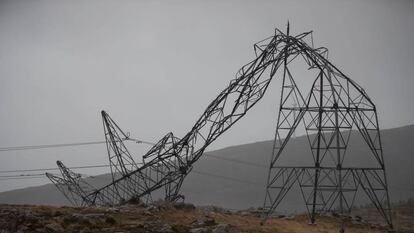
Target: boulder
(200, 230)
(86, 219)
(183, 206)
(54, 227)
(206, 221)
(224, 228)
(158, 226)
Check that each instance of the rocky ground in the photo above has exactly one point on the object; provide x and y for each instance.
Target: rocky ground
(164, 217)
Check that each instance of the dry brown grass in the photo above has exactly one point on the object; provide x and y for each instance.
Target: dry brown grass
(134, 215)
(251, 223)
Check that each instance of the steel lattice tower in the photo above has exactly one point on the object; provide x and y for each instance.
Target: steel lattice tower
(72, 186)
(334, 106)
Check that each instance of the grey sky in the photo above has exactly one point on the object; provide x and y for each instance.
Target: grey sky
(156, 65)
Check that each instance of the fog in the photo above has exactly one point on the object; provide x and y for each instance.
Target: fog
(156, 65)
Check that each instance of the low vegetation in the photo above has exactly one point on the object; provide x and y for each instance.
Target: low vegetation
(165, 217)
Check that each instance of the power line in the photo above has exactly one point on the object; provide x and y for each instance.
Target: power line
(47, 146)
(22, 175)
(36, 176)
(34, 147)
(24, 178)
(54, 169)
(235, 160)
(226, 178)
(41, 175)
(107, 165)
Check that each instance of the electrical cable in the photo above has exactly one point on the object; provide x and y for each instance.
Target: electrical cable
(41, 175)
(46, 146)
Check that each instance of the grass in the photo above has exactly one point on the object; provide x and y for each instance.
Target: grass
(132, 219)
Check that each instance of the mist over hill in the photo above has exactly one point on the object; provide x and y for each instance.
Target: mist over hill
(237, 180)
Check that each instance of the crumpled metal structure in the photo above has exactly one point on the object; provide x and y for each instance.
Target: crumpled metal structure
(333, 106)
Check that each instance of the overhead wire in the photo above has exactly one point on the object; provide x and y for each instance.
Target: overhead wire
(225, 177)
(45, 146)
(53, 169)
(31, 176)
(90, 166)
(24, 178)
(22, 175)
(107, 165)
(32, 147)
(234, 160)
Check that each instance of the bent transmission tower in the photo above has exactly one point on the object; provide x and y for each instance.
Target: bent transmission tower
(120, 160)
(71, 185)
(334, 106)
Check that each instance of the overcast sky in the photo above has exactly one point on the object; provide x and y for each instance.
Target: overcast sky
(156, 65)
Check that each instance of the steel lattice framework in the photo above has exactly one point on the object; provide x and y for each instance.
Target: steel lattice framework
(71, 185)
(120, 160)
(333, 107)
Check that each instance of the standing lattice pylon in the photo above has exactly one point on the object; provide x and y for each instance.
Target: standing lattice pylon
(333, 107)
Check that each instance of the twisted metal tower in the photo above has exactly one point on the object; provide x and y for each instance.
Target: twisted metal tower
(71, 185)
(333, 106)
(120, 160)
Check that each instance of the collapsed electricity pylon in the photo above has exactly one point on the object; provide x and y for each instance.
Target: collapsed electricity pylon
(123, 165)
(168, 162)
(333, 107)
(120, 160)
(72, 186)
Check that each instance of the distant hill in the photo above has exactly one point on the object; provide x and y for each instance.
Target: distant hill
(238, 185)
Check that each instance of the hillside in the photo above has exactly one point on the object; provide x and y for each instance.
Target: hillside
(237, 185)
(163, 218)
